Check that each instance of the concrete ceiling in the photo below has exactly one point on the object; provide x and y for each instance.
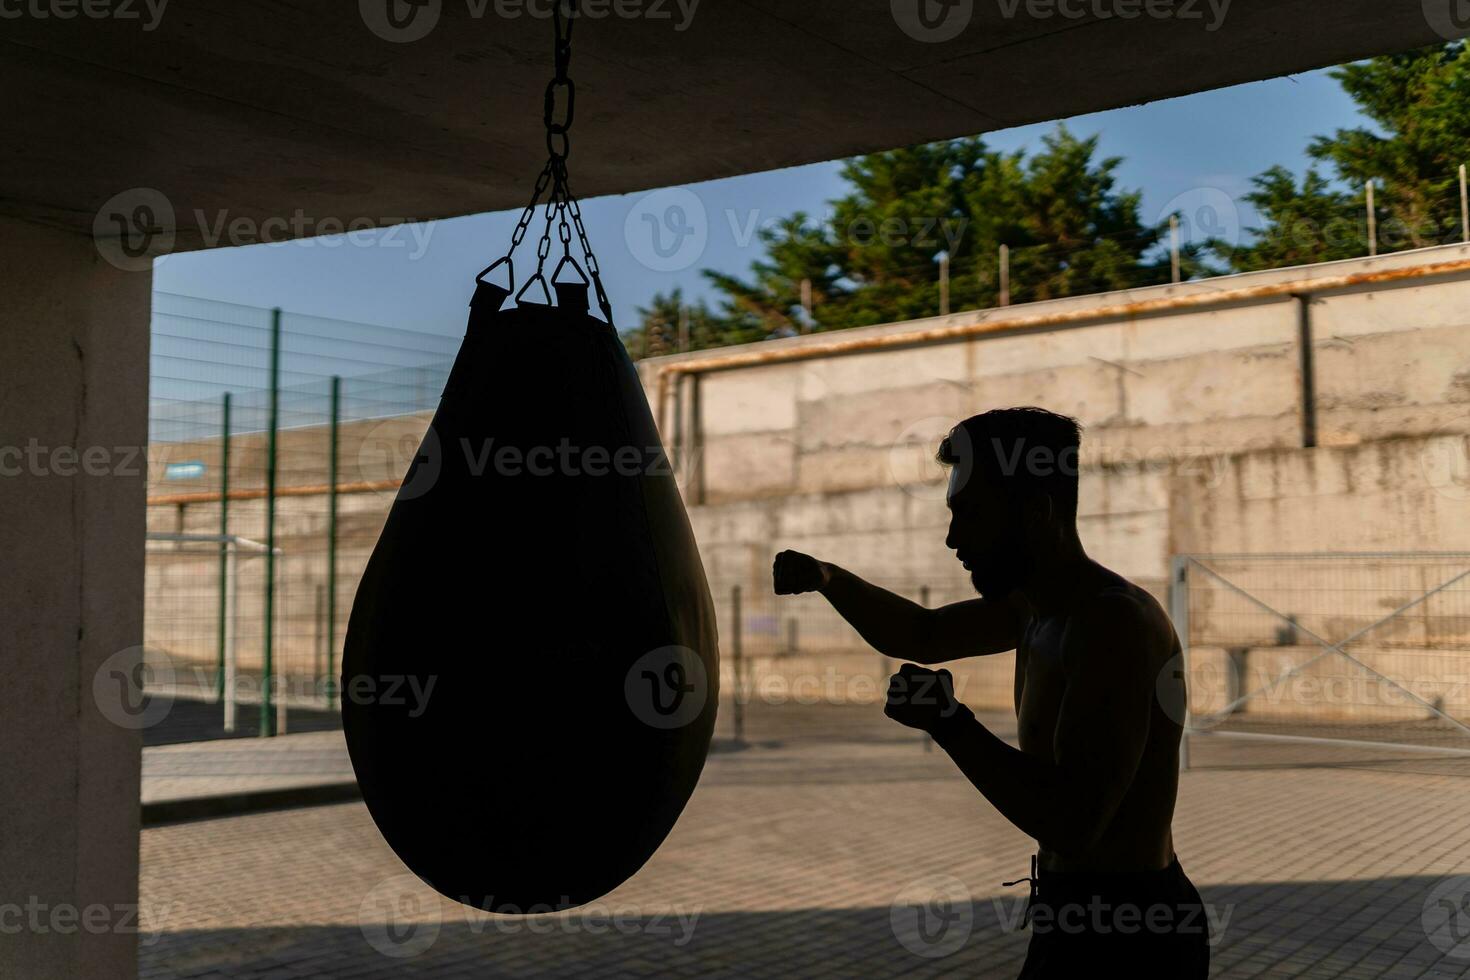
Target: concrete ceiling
(274, 107)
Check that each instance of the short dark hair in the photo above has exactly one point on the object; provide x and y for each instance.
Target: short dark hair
(1024, 451)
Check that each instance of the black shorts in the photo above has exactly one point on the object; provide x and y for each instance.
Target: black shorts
(1148, 924)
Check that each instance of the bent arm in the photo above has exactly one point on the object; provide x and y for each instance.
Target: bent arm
(1068, 802)
(901, 628)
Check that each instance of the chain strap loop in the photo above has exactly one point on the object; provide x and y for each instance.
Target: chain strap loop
(559, 203)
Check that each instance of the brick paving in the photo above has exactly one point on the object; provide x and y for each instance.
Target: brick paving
(802, 855)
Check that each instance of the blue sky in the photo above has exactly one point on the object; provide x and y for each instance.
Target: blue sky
(1195, 153)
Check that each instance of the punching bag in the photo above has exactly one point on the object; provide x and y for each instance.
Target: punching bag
(530, 676)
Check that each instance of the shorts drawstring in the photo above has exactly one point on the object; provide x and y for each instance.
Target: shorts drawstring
(1026, 915)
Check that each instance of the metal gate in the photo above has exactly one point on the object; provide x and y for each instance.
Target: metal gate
(1362, 655)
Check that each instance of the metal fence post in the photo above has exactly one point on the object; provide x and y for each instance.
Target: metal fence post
(738, 656)
(267, 715)
(224, 551)
(227, 677)
(1179, 613)
(924, 601)
(332, 543)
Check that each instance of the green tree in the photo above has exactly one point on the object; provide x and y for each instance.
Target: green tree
(1419, 102)
(1310, 223)
(877, 259)
(666, 316)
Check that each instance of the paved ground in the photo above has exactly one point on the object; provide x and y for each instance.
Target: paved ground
(806, 854)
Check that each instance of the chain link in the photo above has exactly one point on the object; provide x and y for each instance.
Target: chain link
(560, 204)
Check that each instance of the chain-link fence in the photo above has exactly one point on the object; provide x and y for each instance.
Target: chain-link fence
(1344, 655)
(277, 443)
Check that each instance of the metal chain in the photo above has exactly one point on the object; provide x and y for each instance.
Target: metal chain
(560, 204)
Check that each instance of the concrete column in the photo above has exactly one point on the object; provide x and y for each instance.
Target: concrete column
(73, 437)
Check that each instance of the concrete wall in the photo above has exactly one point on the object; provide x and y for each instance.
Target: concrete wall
(1185, 413)
(74, 402)
(1194, 432)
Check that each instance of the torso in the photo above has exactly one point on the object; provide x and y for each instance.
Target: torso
(1139, 837)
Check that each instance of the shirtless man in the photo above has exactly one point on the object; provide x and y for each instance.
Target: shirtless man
(1096, 699)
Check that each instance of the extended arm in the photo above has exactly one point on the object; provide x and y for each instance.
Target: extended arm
(898, 627)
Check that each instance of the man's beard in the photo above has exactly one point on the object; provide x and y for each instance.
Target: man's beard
(1001, 570)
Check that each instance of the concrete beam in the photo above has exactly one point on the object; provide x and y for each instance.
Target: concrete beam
(238, 111)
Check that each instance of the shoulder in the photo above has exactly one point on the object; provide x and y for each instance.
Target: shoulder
(1122, 625)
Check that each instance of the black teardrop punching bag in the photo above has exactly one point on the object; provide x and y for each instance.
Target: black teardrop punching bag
(530, 675)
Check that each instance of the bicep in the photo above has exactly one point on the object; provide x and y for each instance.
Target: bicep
(974, 628)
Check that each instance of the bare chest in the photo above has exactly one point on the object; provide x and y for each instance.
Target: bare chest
(1041, 681)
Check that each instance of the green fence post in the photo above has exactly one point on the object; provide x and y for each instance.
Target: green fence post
(224, 546)
(332, 542)
(267, 712)
(739, 656)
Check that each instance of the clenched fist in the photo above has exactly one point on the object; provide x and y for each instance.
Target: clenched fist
(923, 699)
(795, 573)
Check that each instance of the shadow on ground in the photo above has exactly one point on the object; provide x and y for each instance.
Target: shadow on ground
(1266, 927)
